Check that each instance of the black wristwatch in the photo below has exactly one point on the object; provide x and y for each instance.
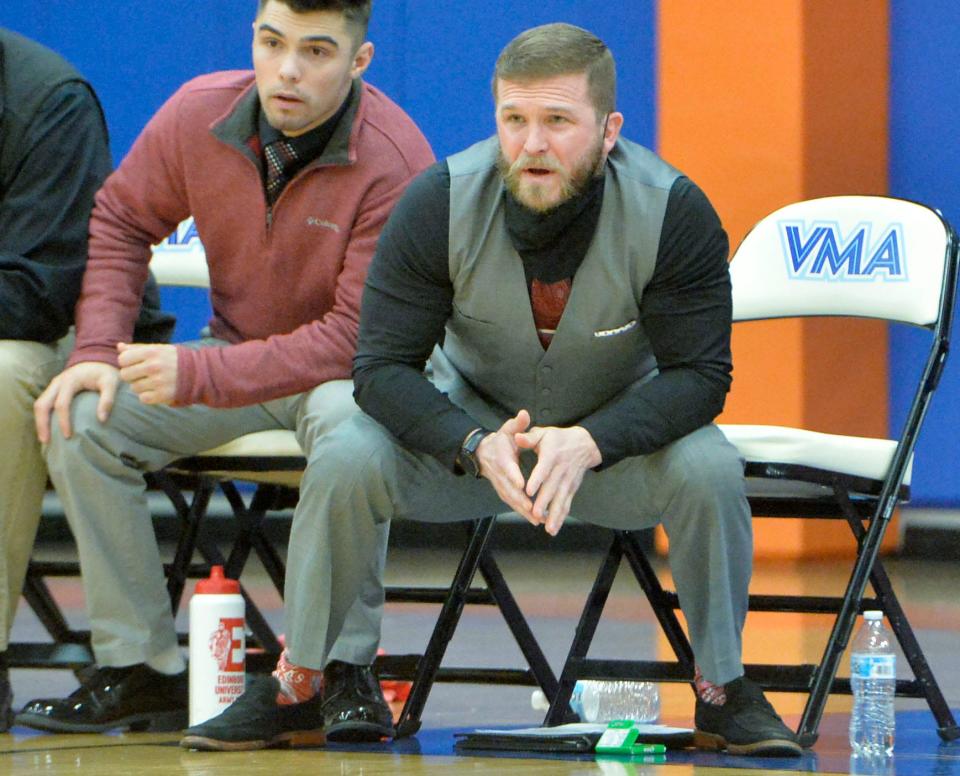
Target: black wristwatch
(467, 457)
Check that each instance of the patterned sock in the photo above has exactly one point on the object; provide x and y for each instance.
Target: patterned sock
(297, 684)
(708, 692)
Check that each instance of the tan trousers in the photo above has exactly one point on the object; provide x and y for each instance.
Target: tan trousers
(25, 370)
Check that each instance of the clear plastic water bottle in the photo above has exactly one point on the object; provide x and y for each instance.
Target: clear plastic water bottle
(603, 701)
(873, 677)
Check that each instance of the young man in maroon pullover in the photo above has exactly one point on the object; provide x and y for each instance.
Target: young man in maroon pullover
(289, 172)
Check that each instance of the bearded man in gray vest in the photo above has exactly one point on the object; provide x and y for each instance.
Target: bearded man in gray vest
(579, 287)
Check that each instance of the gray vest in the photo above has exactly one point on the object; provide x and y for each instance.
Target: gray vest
(492, 363)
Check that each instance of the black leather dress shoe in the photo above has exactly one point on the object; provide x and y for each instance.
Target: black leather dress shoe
(134, 698)
(6, 698)
(353, 705)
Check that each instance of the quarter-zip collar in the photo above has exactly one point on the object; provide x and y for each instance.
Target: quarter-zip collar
(239, 128)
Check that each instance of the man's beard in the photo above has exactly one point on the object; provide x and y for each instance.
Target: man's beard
(534, 195)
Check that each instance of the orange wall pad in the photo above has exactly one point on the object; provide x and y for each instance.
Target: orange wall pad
(763, 103)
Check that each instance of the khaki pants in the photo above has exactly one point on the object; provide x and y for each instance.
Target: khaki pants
(25, 370)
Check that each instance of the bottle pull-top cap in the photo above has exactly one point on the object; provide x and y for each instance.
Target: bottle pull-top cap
(217, 583)
(873, 614)
(539, 701)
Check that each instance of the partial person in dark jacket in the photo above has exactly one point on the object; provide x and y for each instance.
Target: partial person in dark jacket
(53, 158)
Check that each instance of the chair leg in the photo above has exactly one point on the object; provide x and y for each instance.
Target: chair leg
(868, 543)
(250, 537)
(38, 596)
(663, 603)
(890, 605)
(189, 529)
(429, 663)
(518, 625)
(559, 711)
(946, 724)
(190, 516)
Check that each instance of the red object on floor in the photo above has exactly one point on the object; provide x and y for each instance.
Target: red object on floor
(394, 691)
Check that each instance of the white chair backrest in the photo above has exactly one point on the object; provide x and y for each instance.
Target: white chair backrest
(180, 259)
(864, 256)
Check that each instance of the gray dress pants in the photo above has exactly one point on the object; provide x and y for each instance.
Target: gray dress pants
(694, 486)
(98, 473)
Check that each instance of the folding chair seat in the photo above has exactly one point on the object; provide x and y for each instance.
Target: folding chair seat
(850, 256)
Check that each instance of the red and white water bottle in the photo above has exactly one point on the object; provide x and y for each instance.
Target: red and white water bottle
(217, 646)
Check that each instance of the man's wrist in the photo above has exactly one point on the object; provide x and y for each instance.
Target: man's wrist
(597, 453)
(466, 461)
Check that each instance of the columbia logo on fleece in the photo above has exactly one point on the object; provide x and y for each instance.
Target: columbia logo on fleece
(314, 221)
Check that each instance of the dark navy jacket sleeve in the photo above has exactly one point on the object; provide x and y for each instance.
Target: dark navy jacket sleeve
(44, 213)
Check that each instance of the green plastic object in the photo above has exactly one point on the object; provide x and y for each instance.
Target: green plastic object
(620, 737)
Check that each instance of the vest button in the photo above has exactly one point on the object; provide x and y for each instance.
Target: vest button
(545, 392)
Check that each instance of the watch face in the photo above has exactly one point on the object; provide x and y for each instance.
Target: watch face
(468, 455)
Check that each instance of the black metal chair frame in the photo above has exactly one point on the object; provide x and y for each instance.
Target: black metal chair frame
(70, 648)
(421, 669)
(865, 504)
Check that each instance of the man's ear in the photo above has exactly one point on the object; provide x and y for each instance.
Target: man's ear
(362, 59)
(611, 130)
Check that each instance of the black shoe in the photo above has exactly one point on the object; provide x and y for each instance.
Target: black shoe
(256, 721)
(745, 724)
(6, 698)
(134, 697)
(353, 705)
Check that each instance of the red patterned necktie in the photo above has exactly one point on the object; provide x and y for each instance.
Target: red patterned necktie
(280, 156)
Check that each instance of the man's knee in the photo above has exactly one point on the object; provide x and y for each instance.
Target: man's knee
(355, 454)
(704, 468)
(86, 430)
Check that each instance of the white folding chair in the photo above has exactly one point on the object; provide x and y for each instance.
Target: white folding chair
(848, 256)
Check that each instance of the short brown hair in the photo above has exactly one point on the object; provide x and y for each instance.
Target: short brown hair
(561, 49)
(356, 12)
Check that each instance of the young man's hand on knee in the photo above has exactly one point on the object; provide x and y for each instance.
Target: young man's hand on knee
(58, 396)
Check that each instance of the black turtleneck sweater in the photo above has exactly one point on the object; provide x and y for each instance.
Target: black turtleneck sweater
(685, 312)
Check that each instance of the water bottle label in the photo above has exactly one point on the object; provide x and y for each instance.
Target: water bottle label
(873, 666)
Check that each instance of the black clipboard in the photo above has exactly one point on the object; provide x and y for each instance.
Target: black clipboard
(509, 742)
